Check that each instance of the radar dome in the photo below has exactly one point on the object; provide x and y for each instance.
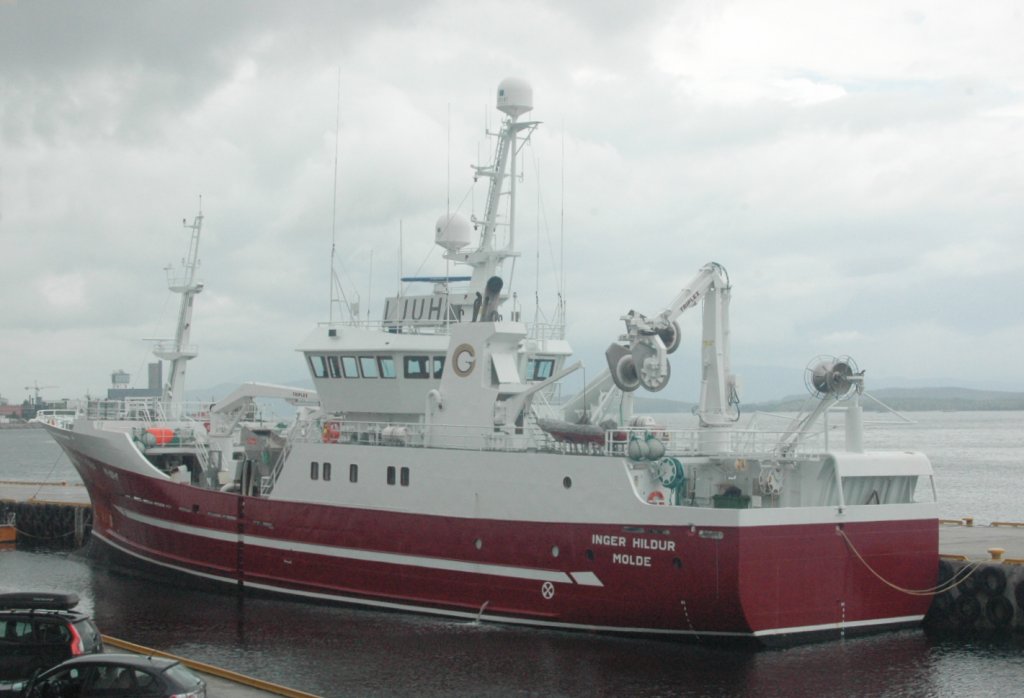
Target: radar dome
(515, 96)
(453, 232)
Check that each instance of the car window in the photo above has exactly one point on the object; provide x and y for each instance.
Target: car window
(52, 633)
(18, 631)
(110, 678)
(66, 682)
(89, 634)
(116, 680)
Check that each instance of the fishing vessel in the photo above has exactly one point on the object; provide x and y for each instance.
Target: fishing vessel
(435, 469)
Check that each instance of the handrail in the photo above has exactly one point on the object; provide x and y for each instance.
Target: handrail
(737, 443)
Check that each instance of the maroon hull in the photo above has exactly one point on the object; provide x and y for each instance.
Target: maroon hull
(770, 582)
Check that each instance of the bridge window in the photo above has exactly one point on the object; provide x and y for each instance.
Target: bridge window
(368, 364)
(319, 366)
(539, 369)
(417, 367)
(332, 362)
(387, 367)
(438, 366)
(349, 367)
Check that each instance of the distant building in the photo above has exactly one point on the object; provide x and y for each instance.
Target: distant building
(11, 410)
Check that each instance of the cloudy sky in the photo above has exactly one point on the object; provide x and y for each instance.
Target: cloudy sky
(857, 167)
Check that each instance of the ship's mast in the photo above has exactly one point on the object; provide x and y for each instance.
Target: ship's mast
(515, 98)
(179, 352)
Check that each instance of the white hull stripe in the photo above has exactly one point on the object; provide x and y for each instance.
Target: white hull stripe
(433, 563)
(511, 619)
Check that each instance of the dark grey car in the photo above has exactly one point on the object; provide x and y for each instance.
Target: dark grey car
(118, 675)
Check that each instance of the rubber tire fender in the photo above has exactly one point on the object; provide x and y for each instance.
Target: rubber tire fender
(970, 584)
(945, 573)
(999, 612)
(992, 581)
(968, 609)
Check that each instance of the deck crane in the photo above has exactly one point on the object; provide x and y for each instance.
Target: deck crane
(640, 358)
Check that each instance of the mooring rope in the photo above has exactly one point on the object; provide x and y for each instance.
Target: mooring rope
(956, 580)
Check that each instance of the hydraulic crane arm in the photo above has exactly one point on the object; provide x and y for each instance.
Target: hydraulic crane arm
(641, 356)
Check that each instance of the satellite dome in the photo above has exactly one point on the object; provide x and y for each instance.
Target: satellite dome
(515, 96)
(453, 232)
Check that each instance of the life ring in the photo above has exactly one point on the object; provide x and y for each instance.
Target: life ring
(332, 432)
(992, 581)
(656, 498)
(999, 612)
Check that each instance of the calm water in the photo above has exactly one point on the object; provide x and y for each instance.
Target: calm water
(332, 651)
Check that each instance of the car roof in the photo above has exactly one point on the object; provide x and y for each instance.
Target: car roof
(72, 616)
(138, 661)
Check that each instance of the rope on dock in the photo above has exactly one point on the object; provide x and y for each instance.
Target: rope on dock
(956, 580)
(211, 669)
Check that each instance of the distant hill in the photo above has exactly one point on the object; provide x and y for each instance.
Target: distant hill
(920, 400)
(903, 399)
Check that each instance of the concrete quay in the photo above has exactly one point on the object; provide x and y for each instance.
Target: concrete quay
(981, 579)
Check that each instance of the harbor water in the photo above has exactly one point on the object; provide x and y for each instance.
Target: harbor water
(335, 651)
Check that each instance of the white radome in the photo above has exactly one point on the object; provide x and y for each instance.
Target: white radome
(515, 96)
(453, 232)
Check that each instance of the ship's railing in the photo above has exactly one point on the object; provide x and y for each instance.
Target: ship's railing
(534, 330)
(146, 409)
(545, 330)
(633, 442)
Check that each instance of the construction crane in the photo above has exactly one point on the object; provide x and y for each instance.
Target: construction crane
(35, 387)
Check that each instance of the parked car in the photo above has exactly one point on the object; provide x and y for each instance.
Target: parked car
(38, 631)
(117, 675)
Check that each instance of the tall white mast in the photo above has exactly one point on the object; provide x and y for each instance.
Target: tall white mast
(179, 352)
(515, 98)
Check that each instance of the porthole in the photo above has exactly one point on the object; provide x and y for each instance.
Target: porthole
(677, 563)
(554, 551)
(567, 482)
(590, 555)
(478, 543)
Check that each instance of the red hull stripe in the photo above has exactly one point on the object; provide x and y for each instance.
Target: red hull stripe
(583, 578)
